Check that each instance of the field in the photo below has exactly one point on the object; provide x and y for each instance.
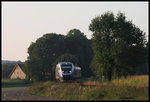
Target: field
(18, 90)
(8, 84)
(131, 88)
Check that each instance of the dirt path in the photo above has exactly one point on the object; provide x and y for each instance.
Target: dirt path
(22, 94)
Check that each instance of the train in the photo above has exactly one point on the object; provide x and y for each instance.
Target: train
(67, 71)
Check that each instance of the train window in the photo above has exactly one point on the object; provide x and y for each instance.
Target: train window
(66, 66)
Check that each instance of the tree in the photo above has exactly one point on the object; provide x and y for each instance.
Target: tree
(7, 68)
(143, 68)
(42, 54)
(94, 68)
(116, 44)
(78, 45)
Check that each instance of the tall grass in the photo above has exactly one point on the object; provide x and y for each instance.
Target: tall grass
(131, 88)
(115, 93)
(137, 81)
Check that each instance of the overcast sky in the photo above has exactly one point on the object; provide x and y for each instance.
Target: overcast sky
(24, 22)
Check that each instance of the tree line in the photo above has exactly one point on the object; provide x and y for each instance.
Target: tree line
(8, 66)
(117, 48)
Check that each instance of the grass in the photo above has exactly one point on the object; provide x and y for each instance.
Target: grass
(56, 90)
(131, 88)
(115, 93)
(13, 84)
(137, 81)
(13, 88)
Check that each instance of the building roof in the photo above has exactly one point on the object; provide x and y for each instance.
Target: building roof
(20, 66)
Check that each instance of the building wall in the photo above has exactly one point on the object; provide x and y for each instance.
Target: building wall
(18, 73)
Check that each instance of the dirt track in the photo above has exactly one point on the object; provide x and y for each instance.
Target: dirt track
(23, 94)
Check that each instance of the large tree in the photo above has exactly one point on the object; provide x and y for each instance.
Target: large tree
(79, 46)
(42, 54)
(117, 45)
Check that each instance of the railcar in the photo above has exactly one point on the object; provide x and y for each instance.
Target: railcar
(67, 71)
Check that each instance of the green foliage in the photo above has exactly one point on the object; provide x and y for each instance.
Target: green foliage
(44, 52)
(82, 92)
(7, 83)
(79, 46)
(94, 68)
(115, 93)
(118, 45)
(67, 58)
(93, 94)
(8, 67)
(76, 34)
(55, 90)
(6, 70)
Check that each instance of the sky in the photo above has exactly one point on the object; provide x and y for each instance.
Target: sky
(25, 22)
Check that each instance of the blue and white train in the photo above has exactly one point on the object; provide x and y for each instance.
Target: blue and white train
(67, 71)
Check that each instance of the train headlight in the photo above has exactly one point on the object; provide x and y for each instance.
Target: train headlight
(70, 71)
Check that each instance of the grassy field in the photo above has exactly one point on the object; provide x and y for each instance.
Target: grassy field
(12, 84)
(137, 81)
(131, 88)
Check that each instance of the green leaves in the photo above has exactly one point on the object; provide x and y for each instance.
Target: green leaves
(51, 46)
(117, 44)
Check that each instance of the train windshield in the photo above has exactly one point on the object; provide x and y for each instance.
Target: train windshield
(67, 67)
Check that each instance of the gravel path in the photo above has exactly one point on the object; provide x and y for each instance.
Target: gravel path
(23, 94)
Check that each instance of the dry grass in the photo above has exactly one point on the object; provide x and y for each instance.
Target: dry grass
(137, 81)
(135, 87)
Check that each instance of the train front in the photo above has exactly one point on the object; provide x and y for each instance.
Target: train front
(67, 69)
